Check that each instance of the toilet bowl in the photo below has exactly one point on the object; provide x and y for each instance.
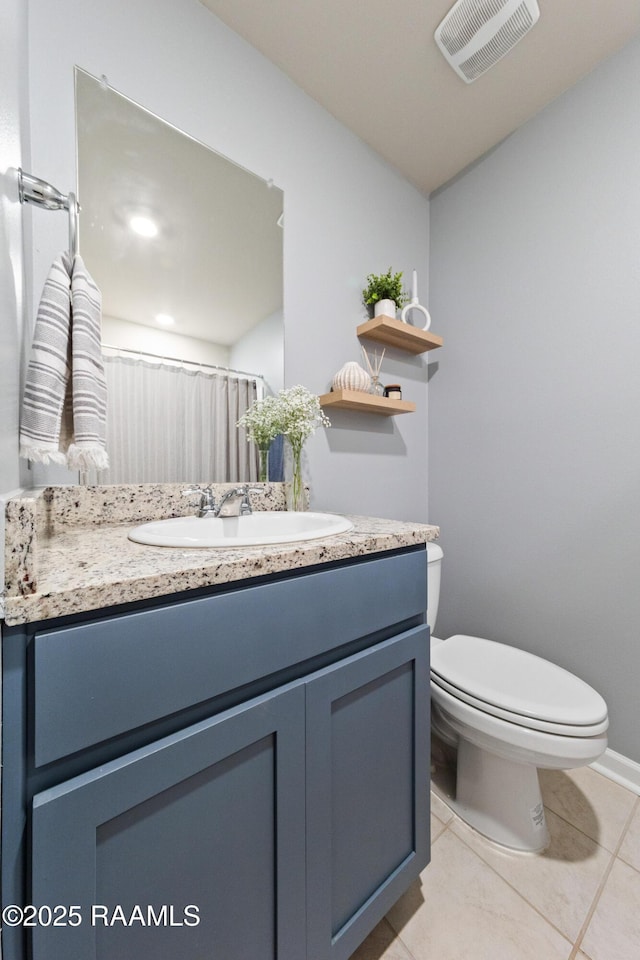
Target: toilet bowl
(507, 712)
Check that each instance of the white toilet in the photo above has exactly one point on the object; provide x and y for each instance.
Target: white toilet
(506, 712)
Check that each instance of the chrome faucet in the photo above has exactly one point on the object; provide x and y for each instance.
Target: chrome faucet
(236, 502)
(207, 505)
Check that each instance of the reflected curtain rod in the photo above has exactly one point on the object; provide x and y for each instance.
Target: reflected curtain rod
(34, 190)
(194, 363)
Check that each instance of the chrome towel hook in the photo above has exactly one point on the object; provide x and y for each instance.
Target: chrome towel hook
(34, 190)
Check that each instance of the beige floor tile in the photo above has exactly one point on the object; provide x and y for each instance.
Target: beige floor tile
(437, 827)
(561, 882)
(440, 809)
(462, 910)
(630, 848)
(592, 803)
(382, 944)
(614, 931)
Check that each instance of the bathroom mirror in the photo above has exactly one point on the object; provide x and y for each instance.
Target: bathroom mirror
(201, 277)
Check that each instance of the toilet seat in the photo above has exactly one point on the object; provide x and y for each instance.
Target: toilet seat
(531, 723)
(517, 687)
(514, 740)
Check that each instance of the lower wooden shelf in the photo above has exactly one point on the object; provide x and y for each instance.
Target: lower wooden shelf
(366, 403)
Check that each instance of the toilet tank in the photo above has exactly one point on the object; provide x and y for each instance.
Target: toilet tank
(434, 564)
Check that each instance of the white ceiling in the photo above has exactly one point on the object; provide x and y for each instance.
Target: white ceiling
(375, 66)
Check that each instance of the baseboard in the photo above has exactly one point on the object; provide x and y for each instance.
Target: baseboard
(619, 769)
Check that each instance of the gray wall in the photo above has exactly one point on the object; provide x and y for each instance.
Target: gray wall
(534, 419)
(175, 58)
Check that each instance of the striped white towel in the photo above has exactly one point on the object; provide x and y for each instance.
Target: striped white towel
(65, 398)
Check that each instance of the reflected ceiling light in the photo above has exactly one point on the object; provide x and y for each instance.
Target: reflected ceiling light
(144, 226)
(165, 320)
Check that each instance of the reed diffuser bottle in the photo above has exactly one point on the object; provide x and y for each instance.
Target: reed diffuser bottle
(375, 387)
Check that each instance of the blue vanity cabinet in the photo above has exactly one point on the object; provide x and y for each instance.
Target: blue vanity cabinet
(241, 774)
(191, 847)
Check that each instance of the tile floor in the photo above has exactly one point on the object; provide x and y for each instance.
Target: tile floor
(579, 900)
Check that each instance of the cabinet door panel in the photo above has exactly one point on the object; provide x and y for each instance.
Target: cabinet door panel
(211, 818)
(367, 789)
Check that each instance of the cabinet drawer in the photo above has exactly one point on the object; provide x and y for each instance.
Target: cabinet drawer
(98, 680)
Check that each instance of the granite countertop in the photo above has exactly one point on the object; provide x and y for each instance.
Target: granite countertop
(67, 549)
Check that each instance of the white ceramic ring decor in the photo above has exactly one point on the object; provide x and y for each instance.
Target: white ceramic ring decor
(385, 308)
(351, 377)
(414, 305)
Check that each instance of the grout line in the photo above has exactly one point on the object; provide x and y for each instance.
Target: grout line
(585, 793)
(603, 882)
(623, 835)
(490, 866)
(518, 893)
(396, 932)
(575, 950)
(613, 855)
(587, 835)
(398, 937)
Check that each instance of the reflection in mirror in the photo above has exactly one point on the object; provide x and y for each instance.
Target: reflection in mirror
(186, 248)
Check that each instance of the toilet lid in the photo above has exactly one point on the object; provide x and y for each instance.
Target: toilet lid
(516, 682)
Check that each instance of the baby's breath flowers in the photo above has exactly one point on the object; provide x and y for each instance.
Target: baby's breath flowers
(296, 413)
(301, 414)
(263, 421)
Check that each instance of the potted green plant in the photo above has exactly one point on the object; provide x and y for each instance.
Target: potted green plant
(384, 294)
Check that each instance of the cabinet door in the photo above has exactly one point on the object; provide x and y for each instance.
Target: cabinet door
(367, 789)
(206, 824)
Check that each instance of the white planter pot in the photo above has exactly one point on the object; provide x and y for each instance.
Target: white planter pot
(385, 308)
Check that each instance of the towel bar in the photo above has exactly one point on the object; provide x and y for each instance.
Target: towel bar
(34, 190)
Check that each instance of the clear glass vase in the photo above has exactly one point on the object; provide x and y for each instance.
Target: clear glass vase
(263, 464)
(294, 487)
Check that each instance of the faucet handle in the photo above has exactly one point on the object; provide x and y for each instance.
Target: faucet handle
(244, 490)
(203, 491)
(207, 500)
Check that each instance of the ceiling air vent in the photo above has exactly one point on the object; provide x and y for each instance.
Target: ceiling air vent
(475, 34)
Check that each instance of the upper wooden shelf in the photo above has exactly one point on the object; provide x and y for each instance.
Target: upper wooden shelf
(366, 402)
(395, 333)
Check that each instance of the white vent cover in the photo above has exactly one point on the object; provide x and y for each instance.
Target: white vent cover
(475, 34)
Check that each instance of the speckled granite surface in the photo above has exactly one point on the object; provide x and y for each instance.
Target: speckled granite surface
(67, 549)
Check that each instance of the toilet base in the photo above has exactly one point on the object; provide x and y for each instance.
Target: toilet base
(500, 799)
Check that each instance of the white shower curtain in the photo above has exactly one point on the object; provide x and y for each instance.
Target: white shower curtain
(172, 424)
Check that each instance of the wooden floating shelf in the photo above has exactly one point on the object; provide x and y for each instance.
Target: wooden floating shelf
(395, 333)
(366, 402)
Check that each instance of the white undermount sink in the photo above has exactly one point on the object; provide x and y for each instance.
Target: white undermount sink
(255, 529)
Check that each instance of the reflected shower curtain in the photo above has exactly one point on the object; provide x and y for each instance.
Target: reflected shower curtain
(170, 424)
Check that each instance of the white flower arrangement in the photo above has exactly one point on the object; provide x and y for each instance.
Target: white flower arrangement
(263, 421)
(301, 414)
(296, 413)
